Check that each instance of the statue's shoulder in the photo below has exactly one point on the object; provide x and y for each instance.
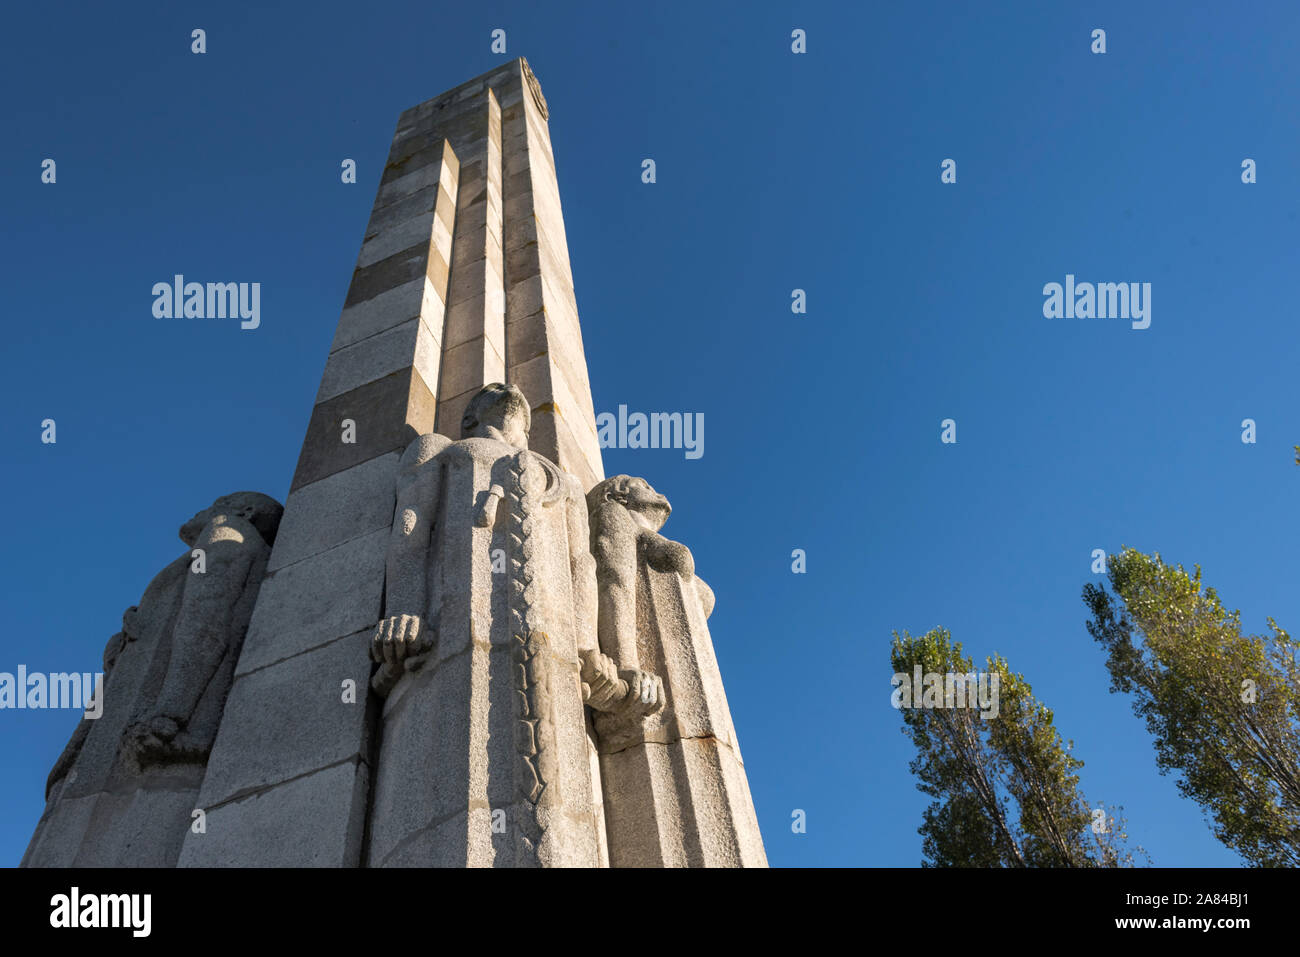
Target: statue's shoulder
(422, 450)
(160, 599)
(607, 516)
(418, 456)
(437, 451)
(483, 450)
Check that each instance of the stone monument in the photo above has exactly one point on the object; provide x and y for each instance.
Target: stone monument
(123, 791)
(462, 645)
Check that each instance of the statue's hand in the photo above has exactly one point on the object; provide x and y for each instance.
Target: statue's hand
(631, 693)
(151, 738)
(399, 638)
(159, 728)
(600, 685)
(645, 693)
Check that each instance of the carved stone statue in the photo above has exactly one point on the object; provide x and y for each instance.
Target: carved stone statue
(123, 789)
(652, 616)
(625, 516)
(487, 654)
(235, 536)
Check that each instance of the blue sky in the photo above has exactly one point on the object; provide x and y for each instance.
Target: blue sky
(775, 172)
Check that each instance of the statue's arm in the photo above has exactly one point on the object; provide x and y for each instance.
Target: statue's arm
(403, 633)
(612, 674)
(406, 590)
(582, 568)
(614, 549)
(664, 555)
(419, 477)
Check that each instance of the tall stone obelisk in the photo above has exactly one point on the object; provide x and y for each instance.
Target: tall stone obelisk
(463, 279)
(439, 525)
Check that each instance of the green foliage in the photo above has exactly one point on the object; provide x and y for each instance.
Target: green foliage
(1223, 707)
(1006, 787)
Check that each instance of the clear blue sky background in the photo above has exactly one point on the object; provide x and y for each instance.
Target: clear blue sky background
(775, 171)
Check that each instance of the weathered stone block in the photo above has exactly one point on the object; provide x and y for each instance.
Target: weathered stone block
(389, 309)
(420, 202)
(313, 821)
(470, 365)
(334, 510)
(61, 832)
(398, 236)
(552, 437)
(291, 718)
(145, 828)
(386, 415)
(316, 600)
(388, 273)
(373, 358)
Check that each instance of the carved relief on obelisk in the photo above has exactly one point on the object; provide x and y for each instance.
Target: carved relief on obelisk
(676, 793)
(123, 791)
(489, 628)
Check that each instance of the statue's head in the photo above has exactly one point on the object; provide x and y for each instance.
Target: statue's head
(647, 507)
(261, 511)
(501, 409)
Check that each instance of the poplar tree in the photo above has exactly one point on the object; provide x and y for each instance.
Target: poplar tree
(1222, 706)
(1006, 788)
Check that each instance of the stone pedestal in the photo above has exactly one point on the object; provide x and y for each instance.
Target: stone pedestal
(676, 794)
